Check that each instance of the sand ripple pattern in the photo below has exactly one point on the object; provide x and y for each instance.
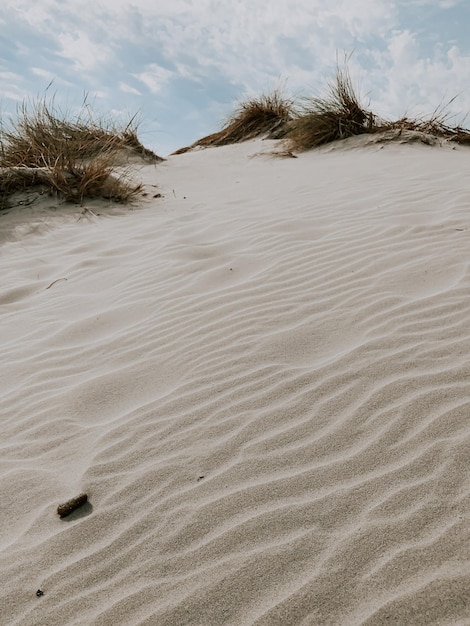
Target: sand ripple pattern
(261, 381)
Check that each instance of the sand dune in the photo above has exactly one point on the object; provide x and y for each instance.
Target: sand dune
(261, 380)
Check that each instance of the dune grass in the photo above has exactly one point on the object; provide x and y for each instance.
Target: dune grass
(75, 157)
(73, 182)
(337, 115)
(340, 115)
(252, 118)
(78, 156)
(316, 121)
(436, 125)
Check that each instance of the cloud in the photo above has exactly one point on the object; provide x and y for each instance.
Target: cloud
(440, 4)
(9, 76)
(85, 54)
(154, 77)
(243, 40)
(200, 55)
(404, 81)
(38, 71)
(10, 86)
(125, 88)
(5, 93)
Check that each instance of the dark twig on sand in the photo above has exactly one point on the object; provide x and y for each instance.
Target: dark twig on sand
(71, 505)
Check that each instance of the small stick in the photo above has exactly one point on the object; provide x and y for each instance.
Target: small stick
(86, 210)
(55, 281)
(69, 507)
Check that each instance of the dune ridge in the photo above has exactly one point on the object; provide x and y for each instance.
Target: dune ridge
(261, 382)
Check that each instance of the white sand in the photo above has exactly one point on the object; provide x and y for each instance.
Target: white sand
(261, 380)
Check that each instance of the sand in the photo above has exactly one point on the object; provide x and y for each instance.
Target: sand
(260, 379)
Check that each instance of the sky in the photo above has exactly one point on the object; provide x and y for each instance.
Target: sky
(182, 66)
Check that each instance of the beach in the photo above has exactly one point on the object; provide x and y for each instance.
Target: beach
(259, 375)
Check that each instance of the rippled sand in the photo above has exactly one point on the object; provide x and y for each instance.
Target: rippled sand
(261, 380)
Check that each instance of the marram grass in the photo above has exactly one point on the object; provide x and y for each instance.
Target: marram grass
(252, 118)
(75, 157)
(316, 121)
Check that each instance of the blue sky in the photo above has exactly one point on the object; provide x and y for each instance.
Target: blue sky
(183, 65)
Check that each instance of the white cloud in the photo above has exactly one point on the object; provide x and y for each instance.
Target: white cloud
(241, 39)
(16, 96)
(209, 50)
(38, 71)
(10, 76)
(11, 86)
(438, 4)
(406, 82)
(85, 54)
(125, 88)
(154, 77)
(244, 39)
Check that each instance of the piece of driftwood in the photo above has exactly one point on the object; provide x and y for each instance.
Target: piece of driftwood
(71, 505)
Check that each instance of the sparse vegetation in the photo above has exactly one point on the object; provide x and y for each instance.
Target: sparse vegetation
(434, 126)
(79, 157)
(73, 182)
(75, 157)
(338, 115)
(252, 118)
(316, 121)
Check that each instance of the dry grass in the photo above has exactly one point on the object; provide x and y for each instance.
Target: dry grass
(75, 157)
(316, 121)
(435, 126)
(95, 179)
(43, 135)
(252, 118)
(338, 115)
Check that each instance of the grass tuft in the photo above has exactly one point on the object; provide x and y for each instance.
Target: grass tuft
(75, 157)
(316, 121)
(252, 118)
(434, 126)
(338, 115)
